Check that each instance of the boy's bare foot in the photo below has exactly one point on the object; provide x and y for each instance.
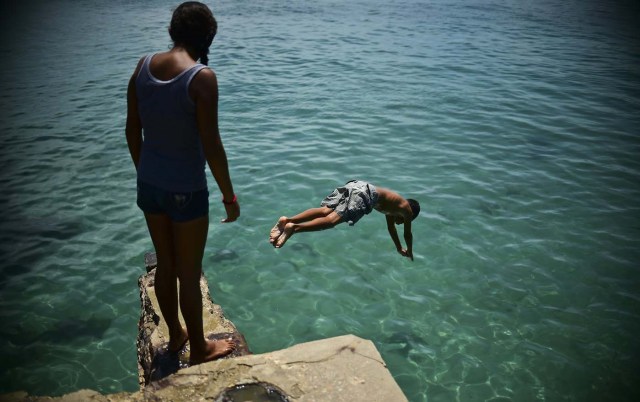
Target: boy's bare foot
(277, 229)
(213, 350)
(286, 233)
(176, 343)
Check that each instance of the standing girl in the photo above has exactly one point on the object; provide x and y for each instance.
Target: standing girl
(173, 100)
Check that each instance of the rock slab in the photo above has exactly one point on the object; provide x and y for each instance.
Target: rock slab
(154, 360)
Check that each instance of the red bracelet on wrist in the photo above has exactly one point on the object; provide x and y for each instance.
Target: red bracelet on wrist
(235, 199)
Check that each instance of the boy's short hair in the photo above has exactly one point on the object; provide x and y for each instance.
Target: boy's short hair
(415, 207)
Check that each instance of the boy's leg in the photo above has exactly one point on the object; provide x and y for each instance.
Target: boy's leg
(165, 281)
(189, 240)
(321, 223)
(309, 214)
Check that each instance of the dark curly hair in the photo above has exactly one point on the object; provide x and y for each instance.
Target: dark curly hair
(193, 26)
(415, 207)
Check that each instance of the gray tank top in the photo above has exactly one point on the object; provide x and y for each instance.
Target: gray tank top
(172, 157)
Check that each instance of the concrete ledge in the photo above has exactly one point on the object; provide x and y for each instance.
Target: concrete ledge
(341, 369)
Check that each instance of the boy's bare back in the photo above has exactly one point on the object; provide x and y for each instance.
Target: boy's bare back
(391, 203)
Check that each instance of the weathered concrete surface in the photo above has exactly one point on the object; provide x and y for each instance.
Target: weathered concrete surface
(154, 360)
(341, 369)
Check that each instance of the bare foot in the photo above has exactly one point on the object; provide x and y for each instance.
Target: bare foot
(213, 350)
(276, 231)
(176, 343)
(286, 233)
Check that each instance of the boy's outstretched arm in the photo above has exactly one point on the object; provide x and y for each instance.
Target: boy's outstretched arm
(408, 238)
(394, 236)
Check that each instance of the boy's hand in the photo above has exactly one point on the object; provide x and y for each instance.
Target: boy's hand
(233, 212)
(406, 253)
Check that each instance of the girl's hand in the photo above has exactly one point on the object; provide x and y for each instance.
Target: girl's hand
(233, 212)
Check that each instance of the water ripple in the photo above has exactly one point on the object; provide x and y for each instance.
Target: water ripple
(515, 125)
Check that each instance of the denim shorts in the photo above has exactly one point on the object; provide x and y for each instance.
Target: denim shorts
(180, 206)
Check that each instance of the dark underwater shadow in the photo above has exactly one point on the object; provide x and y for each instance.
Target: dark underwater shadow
(225, 255)
(304, 248)
(64, 331)
(51, 228)
(407, 340)
(22, 348)
(25, 241)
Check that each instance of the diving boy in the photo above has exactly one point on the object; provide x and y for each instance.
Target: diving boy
(349, 203)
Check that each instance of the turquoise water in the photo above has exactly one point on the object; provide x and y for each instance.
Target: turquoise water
(514, 123)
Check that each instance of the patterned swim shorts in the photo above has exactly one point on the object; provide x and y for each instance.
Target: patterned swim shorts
(352, 201)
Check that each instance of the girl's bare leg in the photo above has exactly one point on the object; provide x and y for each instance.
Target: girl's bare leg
(165, 281)
(189, 242)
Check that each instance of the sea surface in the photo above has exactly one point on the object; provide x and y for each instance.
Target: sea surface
(515, 123)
